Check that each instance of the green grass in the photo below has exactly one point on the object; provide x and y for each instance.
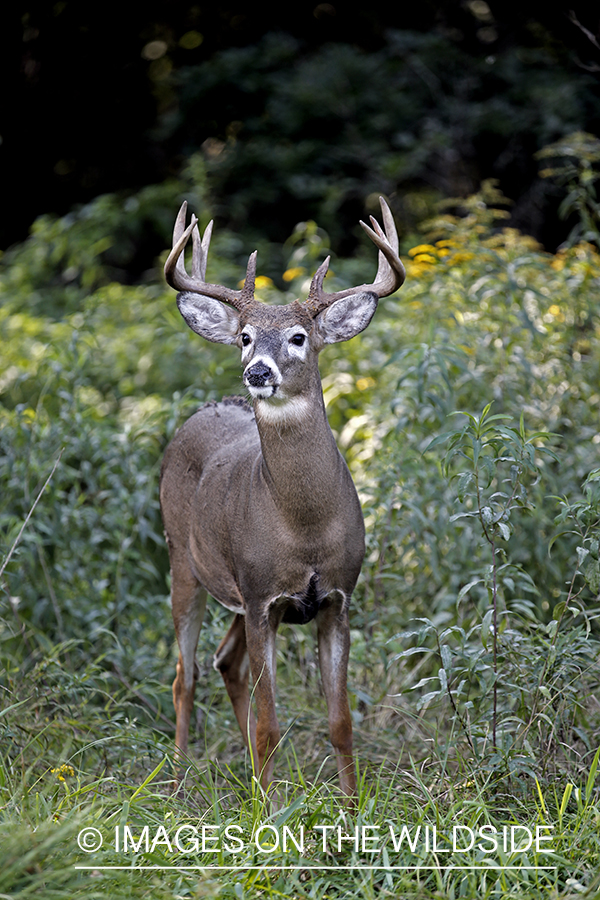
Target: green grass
(82, 752)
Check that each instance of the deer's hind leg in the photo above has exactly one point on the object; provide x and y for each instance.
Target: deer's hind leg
(188, 602)
(231, 660)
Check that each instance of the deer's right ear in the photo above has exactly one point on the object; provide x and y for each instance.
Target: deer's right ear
(209, 318)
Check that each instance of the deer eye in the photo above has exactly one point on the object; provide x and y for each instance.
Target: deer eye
(298, 340)
(246, 339)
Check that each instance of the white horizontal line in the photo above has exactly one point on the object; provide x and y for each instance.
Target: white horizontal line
(300, 868)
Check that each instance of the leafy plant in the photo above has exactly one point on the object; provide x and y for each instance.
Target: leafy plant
(576, 159)
(500, 461)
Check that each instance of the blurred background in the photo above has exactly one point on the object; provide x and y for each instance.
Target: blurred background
(300, 111)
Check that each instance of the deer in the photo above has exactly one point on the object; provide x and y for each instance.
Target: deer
(259, 508)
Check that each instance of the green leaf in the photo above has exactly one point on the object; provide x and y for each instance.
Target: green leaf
(439, 439)
(443, 679)
(465, 590)
(582, 552)
(504, 530)
(558, 610)
(463, 515)
(592, 776)
(410, 652)
(446, 655)
(464, 480)
(148, 779)
(486, 626)
(592, 575)
(427, 698)
(565, 799)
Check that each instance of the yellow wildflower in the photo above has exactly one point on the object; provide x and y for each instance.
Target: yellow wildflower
(294, 272)
(422, 248)
(413, 269)
(366, 382)
(263, 281)
(62, 771)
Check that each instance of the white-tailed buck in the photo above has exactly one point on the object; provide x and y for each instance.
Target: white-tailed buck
(258, 505)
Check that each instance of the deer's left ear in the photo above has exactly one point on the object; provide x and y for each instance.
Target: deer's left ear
(347, 317)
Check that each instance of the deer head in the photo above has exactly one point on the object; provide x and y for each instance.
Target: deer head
(278, 343)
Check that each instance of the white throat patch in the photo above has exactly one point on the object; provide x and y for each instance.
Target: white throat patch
(283, 411)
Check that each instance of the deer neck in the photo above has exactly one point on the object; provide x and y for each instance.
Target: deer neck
(301, 464)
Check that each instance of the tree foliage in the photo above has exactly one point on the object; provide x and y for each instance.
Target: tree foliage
(302, 112)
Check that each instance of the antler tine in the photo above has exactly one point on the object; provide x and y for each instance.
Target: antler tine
(178, 278)
(179, 226)
(175, 272)
(390, 271)
(205, 245)
(200, 251)
(383, 267)
(389, 224)
(316, 285)
(247, 291)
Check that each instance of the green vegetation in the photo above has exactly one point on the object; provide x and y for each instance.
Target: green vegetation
(425, 115)
(301, 111)
(469, 414)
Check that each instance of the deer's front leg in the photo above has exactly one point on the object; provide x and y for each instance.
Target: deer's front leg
(334, 648)
(260, 640)
(188, 600)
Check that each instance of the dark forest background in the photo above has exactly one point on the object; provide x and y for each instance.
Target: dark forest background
(302, 110)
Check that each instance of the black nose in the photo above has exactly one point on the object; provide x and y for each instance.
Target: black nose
(258, 374)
